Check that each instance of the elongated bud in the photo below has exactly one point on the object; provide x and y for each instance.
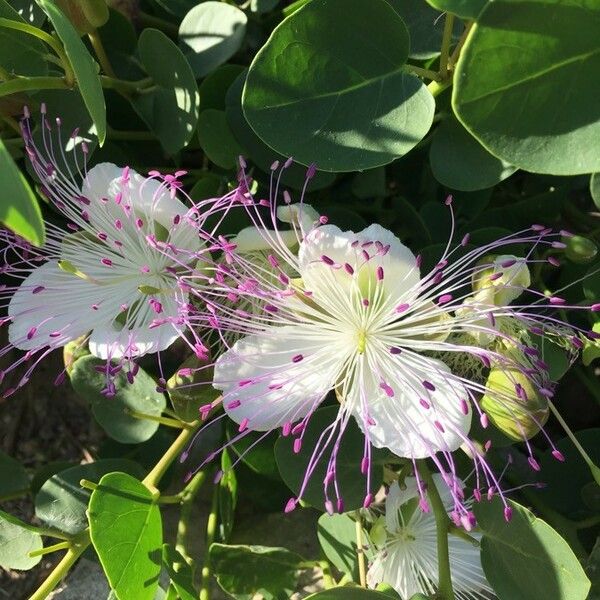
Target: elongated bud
(189, 388)
(580, 250)
(85, 15)
(502, 281)
(73, 351)
(513, 404)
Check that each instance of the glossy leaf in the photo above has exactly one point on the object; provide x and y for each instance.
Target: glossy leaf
(356, 107)
(246, 570)
(114, 414)
(521, 66)
(15, 544)
(352, 485)
(211, 33)
(126, 531)
(171, 110)
(213, 88)
(595, 189)
(460, 162)
(526, 559)
(84, 66)
(19, 209)
(61, 501)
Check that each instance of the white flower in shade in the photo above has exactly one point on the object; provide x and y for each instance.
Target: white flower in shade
(503, 281)
(115, 276)
(406, 548)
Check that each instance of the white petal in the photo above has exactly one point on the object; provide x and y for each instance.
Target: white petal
(398, 263)
(108, 340)
(402, 424)
(259, 373)
(62, 307)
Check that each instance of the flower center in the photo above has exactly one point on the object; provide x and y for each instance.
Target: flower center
(361, 342)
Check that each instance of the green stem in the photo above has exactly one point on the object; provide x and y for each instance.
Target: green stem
(423, 72)
(24, 84)
(62, 568)
(147, 20)
(328, 580)
(176, 423)
(211, 530)
(587, 523)
(446, 41)
(188, 495)
(442, 521)
(360, 552)
(436, 88)
(34, 31)
(122, 85)
(462, 534)
(183, 439)
(98, 47)
(463, 38)
(50, 549)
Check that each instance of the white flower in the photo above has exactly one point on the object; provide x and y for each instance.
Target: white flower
(503, 282)
(113, 274)
(341, 329)
(406, 556)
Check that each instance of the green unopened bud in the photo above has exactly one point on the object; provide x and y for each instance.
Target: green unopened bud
(85, 15)
(513, 404)
(503, 281)
(73, 351)
(189, 388)
(580, 249)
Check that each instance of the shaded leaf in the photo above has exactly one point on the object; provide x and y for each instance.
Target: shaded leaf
(15, 544)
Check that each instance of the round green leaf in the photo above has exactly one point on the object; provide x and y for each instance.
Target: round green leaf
(21, 53)
(258, 152)
(211, 33)
(242, 570)
(213, 88)
(216, 139)
(61, 501)
(523, 69)
(257, 455)
(179, 8)
(595, 189)
(466, 9)
(84, 66)
(16, 543)
(348, 593)
(351, 483)
(126, 531)
(356, 107)
(19, 210)
(460, 162)
(113, 414)
(337, 538)
(171, 110)
(526, 559)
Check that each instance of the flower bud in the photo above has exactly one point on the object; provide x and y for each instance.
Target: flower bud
(502, 281)
(190, 387)
(74, 350)
(580, 249)
(513, 404)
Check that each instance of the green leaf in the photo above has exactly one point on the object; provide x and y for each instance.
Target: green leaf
(356, 107)
(61, 501)
(523, 65)
(425, 26)
(595, 189)
(526, 559)
(171, 110)
(257, 151)
(29, 11)
(348, 593)
(460, 162)
(337, 537)
(263, 6)
(369, 184)
(592, 569)
(15, 544)
(19, 210)
(84, 67)
(126, 531)
(13, 477)
(211, 33)
(466, 9)
(352, 485)
(213, 88)
(20, 52)
(180, 572)
(227, 496)
(113, 414)
(591, 349)
(217, 140)
(247, 570)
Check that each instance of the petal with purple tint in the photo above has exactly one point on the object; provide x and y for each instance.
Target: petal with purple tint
(53, 315)
(263, 381)
(417, 421)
